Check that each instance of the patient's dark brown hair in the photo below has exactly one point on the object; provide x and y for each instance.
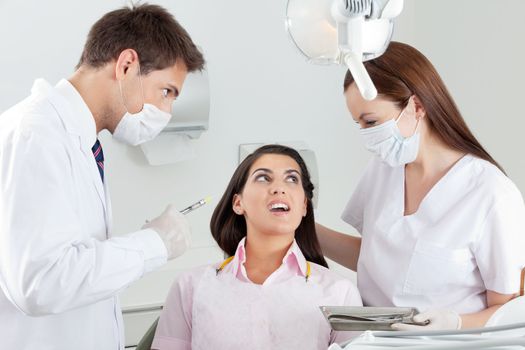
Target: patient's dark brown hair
(228, 228)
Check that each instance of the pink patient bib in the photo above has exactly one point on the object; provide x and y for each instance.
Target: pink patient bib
(230, 314)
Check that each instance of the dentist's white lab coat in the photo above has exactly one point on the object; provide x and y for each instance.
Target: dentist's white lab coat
(60, 270)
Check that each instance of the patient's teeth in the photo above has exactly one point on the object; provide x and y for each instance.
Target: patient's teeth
(279, 206)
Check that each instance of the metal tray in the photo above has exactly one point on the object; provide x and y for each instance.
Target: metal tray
(362, 318)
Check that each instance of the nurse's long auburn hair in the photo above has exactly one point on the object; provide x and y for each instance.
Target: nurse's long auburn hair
(403, 71)
(228, 228)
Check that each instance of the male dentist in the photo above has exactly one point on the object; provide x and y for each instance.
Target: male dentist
(60, 268)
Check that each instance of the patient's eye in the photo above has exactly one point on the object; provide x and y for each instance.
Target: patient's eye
(292, 179)
(262, 178)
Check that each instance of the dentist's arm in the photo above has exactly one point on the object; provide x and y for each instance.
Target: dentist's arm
(341, 248)
(50, 259)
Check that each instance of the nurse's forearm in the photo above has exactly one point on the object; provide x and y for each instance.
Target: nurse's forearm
(341, 248)
(478, 319)
(494, 302)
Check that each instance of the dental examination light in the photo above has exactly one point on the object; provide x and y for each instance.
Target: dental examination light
(345, 32)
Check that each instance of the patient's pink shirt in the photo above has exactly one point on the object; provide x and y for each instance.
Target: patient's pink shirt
(225, 310)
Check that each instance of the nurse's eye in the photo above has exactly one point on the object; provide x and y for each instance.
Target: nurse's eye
(369, 123)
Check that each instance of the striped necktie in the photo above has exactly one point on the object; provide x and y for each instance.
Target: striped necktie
(99, 158)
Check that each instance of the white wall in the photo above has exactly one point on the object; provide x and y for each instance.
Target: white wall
(479, 48)
(263, 91)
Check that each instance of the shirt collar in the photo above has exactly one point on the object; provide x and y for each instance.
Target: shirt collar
(293, 257)
(81, 121)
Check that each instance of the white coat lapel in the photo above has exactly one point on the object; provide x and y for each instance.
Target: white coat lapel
(107, 208)
(78, 121)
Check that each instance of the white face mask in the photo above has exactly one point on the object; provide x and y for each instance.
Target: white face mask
(143, 126)
(386, 141)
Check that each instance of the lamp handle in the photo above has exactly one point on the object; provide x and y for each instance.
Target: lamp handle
(362, 79)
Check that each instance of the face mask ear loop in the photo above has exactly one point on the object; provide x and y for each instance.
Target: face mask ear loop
(400, 115)
(122, 95)
(141, 87)
(417, 122)
(417, 126)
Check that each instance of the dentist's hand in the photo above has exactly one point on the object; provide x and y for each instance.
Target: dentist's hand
(438, 319)
(174, 229)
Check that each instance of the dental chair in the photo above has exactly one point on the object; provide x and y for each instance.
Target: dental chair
(510, 313)
(147, 338)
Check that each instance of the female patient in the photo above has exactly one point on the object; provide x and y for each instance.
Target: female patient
(267, 294)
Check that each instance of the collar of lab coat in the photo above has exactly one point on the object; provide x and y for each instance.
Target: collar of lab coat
(73, 111)
(78, 121)
(294, 256)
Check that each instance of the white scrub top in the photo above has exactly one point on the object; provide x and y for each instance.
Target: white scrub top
(467, 237)
(60, 269)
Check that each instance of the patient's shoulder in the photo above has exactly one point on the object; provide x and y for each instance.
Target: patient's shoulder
(336, 285)
(328, 276)
(190, 278)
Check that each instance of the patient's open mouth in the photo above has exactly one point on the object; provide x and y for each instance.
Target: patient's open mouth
(279, 207)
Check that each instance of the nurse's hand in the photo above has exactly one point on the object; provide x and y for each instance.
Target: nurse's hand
(437, 319)
(174, 230)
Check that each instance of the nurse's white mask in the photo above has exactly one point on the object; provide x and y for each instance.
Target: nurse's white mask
(136, 128)
(387, 143)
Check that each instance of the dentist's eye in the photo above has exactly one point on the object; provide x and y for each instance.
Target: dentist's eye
(370, 123)
(166, 93)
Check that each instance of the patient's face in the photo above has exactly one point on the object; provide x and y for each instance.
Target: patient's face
(273, 201)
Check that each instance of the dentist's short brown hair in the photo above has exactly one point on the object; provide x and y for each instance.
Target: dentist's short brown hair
(159, 40)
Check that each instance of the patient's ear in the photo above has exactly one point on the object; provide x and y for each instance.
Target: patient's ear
(237, 205)
(305, 207)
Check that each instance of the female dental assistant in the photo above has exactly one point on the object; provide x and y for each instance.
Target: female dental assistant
(442, 227)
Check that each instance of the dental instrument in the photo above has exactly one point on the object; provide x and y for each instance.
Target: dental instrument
(196, 205)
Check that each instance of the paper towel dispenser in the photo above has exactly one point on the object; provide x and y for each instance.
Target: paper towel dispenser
(191, 111)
